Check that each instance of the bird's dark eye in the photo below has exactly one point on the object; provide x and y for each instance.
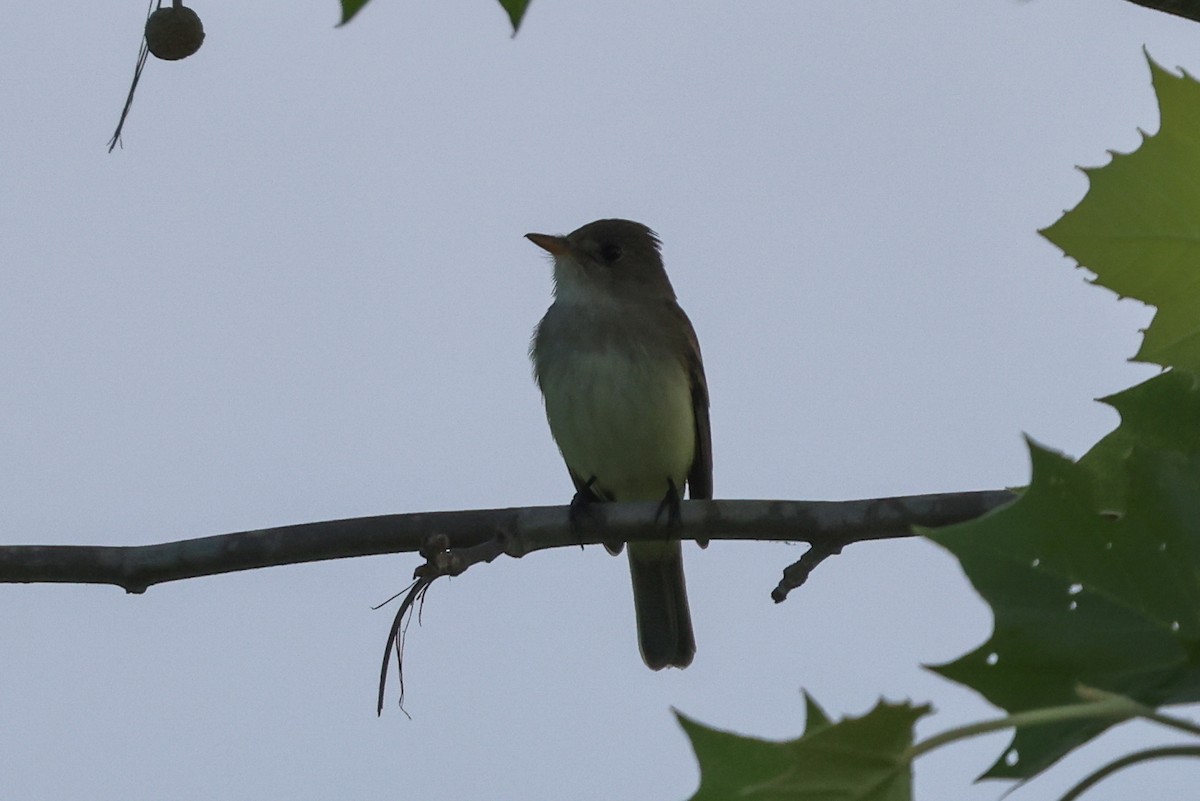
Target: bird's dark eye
(610, 252)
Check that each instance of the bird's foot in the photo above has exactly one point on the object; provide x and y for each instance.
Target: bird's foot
(671, 504)
(581, 509)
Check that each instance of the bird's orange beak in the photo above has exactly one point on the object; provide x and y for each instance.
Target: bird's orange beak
(556, 245)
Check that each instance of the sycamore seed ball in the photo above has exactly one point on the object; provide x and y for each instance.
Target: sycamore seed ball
(174, 33)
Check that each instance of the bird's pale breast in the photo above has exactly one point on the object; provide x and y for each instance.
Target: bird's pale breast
(625, 417)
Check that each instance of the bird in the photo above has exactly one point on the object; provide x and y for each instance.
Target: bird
(619, 367)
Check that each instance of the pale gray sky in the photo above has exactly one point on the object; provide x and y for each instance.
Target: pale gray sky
(301, 292)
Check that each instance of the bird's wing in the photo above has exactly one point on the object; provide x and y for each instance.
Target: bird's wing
(700, 477)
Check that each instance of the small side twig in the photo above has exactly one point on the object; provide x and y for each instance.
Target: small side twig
(887, 517)
(443, 560)
(795, 574)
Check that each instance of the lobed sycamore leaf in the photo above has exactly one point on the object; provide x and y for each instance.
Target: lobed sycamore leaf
(854, 759)
(1093, 575)
(1138, 227)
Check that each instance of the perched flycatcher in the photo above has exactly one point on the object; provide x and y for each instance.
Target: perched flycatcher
(619, 367)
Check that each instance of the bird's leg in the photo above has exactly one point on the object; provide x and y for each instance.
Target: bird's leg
(585, 496)
(671, 505)
(580, 507)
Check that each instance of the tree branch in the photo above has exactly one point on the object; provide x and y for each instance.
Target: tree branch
(824, 524)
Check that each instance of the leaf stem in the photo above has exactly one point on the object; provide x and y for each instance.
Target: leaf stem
(1147, 712)
(1117, 706)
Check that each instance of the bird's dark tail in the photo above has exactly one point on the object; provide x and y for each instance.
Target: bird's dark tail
(664, 622)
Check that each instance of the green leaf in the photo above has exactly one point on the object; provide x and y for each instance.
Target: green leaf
(514, 8)
(855, 759)
(1159, 414)
(516, 12)
(1093, 575)
(814, 716)
(1138, 227)
(350, 8)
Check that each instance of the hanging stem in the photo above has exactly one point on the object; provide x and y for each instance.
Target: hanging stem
(143, 53)
(1126, 761)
